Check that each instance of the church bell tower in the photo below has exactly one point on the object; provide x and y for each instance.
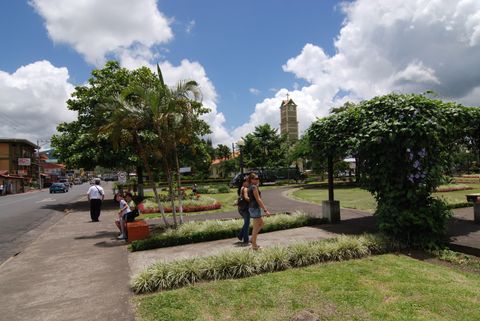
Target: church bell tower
(288, 119)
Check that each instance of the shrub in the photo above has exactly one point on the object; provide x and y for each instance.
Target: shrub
(195, 232)
(244, 263)
(223, 189)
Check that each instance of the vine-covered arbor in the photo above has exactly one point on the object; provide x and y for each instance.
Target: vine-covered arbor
(404, 144)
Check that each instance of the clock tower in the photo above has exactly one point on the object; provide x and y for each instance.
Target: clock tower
(288, 119)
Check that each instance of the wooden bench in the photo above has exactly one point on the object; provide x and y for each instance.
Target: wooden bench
(137, 230)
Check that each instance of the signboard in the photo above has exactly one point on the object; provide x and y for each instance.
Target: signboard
(185, 169)
(122, 177)
(22, 172)
(24, 162)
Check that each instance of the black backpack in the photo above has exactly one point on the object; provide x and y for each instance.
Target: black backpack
(242, 203)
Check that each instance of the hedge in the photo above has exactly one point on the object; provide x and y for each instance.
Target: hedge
(245, 263)
(195, 232)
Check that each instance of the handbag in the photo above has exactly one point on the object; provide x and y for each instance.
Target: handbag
(132, 214)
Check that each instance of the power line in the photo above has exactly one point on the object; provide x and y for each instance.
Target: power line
(12, 122)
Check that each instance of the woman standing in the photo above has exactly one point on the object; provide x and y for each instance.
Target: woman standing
(255, 205)
(242, 204)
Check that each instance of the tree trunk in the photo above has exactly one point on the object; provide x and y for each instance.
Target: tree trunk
(155, 192)
(180, 206)
(154, 186)
(170, 190)
(141, 194)
(172, 198)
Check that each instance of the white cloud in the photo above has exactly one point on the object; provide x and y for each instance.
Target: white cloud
(191, 24)
(129, 31)
(98, 28)
(33, 101)
(195, 71)
(254, 91)
(385, 46)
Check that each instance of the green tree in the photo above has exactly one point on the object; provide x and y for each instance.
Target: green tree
(403, 143)
(223, 151)
(228, 166)
(76, 145)
(265, 148)
(176, 121)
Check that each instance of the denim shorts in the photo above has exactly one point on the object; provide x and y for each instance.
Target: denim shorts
(255, 212)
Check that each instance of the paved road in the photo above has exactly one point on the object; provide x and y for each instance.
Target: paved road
(24, 216)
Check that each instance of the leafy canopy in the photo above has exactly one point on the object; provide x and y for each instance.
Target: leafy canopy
(404, 146)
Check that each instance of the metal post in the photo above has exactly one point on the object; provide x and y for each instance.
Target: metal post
(330, 179)
(38, 165)
(241, 159)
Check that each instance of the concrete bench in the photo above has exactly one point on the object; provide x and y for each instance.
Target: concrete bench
(137, 230)
(475, 198)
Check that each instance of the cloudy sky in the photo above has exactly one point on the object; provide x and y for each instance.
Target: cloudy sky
(246, 55)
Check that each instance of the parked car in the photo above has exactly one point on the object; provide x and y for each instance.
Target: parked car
(65, 182)
(77, 181)
(58, 187)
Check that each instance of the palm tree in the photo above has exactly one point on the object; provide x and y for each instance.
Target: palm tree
(175, 118)
(133, 124)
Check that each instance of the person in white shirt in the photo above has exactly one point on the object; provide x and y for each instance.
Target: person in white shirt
(95, 195)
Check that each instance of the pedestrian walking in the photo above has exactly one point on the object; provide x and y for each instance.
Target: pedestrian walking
(242, 204)
(121, 219)
(254, 207)
(1, 189)
(95, 196)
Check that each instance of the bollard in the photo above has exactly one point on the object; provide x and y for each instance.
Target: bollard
(475, 198)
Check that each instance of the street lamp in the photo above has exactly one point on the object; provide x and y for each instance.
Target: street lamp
(240, 145)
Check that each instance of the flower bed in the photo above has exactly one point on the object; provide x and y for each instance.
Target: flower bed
(186, 209)
(244, 263)
(201, 204)
(452, 188)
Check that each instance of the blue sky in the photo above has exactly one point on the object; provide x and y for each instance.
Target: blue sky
(246, 55)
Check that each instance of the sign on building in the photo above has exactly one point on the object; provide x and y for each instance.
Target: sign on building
(22, 172)
(24, 162)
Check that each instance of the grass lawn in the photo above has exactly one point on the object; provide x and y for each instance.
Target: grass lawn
(357, 198)
(349, 197)
(386, 287)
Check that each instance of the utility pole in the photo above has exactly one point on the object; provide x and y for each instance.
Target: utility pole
(38, 161)
(38, 166)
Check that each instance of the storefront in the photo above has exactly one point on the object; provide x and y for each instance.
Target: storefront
(11, 184)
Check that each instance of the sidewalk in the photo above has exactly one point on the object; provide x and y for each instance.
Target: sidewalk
(76, 270)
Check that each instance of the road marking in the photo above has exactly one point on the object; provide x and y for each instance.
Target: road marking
(46, 200)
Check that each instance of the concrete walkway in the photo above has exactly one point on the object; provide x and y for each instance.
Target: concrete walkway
(76, 270)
